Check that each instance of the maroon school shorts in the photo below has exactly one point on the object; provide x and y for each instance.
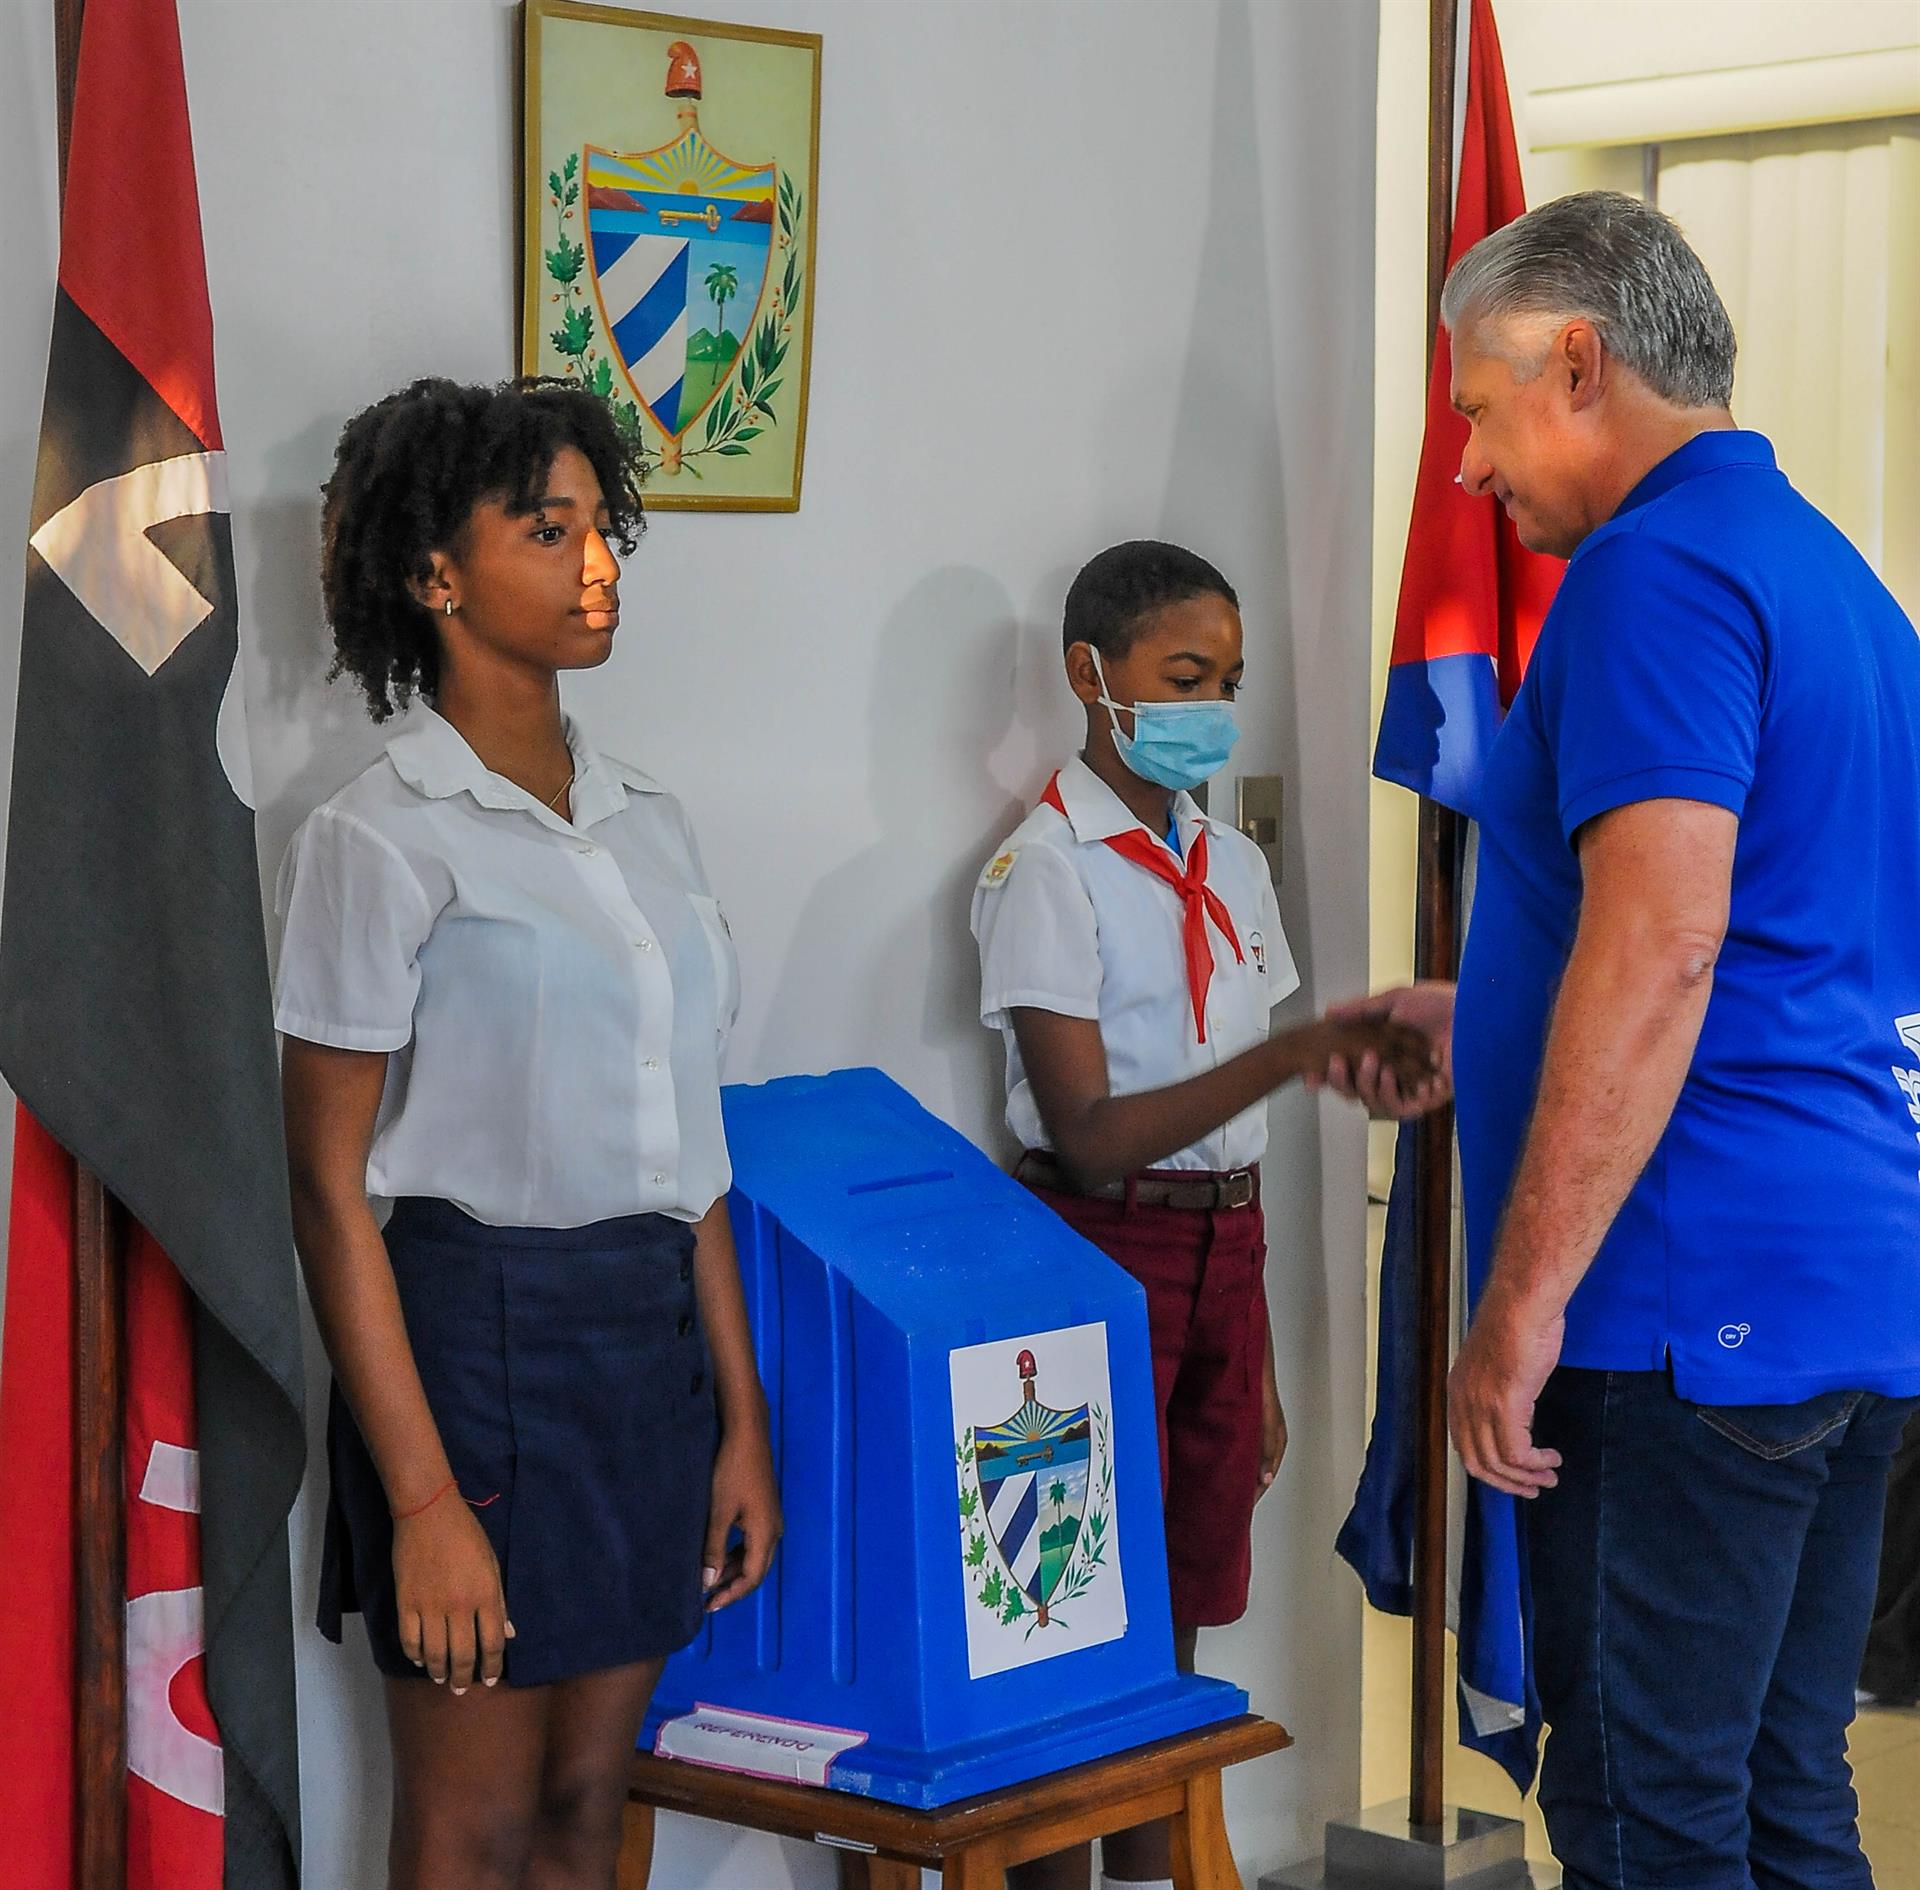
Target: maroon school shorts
(1203, 1271)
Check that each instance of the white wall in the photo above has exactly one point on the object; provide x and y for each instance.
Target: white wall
(1085, 272)
(30, 241)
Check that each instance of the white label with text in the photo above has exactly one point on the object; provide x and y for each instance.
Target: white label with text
(755, 1743)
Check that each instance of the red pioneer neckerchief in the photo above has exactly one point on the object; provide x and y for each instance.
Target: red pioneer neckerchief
(1198, 901)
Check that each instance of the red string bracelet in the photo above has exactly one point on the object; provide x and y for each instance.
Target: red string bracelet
(401, 1515)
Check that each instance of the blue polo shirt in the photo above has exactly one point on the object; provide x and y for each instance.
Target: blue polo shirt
(1718, 640)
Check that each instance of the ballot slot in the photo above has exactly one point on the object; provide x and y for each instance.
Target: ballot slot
(886, 1183)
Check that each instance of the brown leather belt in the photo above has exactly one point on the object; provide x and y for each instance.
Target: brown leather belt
(1201, 1191)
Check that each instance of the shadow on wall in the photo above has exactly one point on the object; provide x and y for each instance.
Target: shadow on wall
(1225, 471)
(957, 697)
(1225, 486)
(290, 650)
(324, 732)
(345, 1775)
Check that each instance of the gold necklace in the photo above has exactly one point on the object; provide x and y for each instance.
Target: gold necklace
(560, 790)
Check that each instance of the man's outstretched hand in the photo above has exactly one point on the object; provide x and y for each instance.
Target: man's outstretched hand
(1374, 1081)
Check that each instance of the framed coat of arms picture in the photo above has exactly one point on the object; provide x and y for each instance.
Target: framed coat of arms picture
(671, 170)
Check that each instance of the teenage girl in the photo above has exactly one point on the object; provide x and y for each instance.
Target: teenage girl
(504, 989)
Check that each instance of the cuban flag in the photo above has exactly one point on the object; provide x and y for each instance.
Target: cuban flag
(1472, 599)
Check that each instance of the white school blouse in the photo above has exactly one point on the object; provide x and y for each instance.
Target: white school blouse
(552, 997)
(1066, 924)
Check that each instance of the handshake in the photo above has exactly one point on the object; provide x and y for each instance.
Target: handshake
(1393, 1052)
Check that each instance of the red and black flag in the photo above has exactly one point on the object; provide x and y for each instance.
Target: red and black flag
(135, 1029)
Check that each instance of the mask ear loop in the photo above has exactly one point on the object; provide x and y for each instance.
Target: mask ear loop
(1112, 707)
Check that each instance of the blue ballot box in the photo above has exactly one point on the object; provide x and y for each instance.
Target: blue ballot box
(972, 1589)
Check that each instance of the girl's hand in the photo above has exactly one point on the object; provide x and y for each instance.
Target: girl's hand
(1427, 1008)
(744, 1498)
(453, 1615)
(1400, 1064)
(1273, 1427)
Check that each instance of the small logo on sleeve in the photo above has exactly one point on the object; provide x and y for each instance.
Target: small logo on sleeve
(1257, 945)
(1733, 1337)
(998, 868)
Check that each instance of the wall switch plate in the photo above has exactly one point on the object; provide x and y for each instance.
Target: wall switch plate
(1259, 808)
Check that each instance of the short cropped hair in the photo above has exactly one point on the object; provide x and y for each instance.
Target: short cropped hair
(1609, 259)
(1116, 592)
(407, 475)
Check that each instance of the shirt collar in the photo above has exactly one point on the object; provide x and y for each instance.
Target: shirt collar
(434, 759)
(1704, 453)
(1095, 812)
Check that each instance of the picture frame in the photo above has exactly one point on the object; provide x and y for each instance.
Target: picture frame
(670, 176)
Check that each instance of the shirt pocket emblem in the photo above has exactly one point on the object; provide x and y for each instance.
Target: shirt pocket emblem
(1257, 945)
(726, 964)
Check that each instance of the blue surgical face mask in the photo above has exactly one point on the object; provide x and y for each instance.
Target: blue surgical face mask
(1174, 744)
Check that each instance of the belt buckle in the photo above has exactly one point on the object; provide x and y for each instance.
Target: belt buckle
(1236, 1191)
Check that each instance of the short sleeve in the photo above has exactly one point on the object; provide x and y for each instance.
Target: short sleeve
(355, 919)
(1039, 940)
(1656, 686)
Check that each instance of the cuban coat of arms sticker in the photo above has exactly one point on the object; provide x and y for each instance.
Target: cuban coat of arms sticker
(1039, 1543)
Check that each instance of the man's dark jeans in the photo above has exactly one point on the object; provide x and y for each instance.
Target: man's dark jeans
(1892, 1666)
(1703, 1578)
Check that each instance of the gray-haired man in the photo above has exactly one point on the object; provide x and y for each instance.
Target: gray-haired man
(1687, 1053)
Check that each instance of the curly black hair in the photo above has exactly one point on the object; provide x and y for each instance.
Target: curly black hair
(407, 475)
(1119, 589)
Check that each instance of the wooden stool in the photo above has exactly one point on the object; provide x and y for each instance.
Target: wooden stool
(973, 1842)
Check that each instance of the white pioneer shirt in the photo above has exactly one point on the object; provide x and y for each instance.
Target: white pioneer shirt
(553, 997)
(1067, 924)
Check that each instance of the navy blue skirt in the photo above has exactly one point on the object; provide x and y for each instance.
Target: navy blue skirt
(569, 1378)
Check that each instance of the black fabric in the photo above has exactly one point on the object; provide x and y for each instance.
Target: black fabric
(248, 1480)
(135, 1023)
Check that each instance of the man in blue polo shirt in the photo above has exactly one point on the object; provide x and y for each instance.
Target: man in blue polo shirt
(1687, 1053)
